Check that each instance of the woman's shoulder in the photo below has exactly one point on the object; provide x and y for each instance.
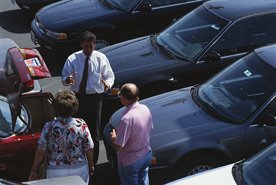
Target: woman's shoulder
(79, 121)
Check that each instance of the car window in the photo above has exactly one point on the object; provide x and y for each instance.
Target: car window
(192, 33)
(234, 94)
(261, 168)
(271, 108)
(247, 34)
(124, 4)
(5, 119)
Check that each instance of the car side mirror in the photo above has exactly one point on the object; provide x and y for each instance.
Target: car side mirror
(266, 118)
(145, 7)
(212, 57)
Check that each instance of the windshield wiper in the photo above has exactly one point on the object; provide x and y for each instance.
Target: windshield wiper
(166, 50)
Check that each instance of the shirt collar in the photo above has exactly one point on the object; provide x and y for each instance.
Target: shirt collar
(131, 106)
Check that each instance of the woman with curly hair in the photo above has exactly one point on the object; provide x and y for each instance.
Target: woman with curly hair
(67, 141)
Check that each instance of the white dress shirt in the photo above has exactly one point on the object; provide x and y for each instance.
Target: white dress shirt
(98, 69)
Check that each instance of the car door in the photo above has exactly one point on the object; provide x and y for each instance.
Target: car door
(243, 36)
(20, 149)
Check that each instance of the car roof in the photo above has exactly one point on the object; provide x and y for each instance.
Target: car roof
(6, 43)
(267, 54)
(235, 9)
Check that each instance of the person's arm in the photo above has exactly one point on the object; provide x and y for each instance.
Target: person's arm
(39, 155)
(108, 75)
(113, 136)
(68, 73)
(90, 156)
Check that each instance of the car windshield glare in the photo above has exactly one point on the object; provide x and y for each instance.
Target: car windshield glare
(5, 119)
(126, 5)
(261, 169)
(233, 92)
(192, 33)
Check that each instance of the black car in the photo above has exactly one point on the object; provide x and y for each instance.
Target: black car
(32, 5)
(57, 26)
(193, 48)
(229, 117)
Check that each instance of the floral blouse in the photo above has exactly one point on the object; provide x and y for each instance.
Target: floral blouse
(67, 139)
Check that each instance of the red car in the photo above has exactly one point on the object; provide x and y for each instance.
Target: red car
(24, 108)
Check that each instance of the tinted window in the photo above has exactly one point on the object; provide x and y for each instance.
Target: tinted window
(261, 169)
(123, 4)
(240, 89)
(5, 119)
(247, 34)
(192, 33)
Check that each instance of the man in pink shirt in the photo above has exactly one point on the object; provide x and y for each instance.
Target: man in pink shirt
(131, 139)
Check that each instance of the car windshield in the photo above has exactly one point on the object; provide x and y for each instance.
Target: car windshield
(191, 34)
(126, 5)
(236, 92)
(6, 122)
(261, 169)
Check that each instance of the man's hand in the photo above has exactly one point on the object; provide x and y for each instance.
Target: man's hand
(70, 78)
(106, 86)
(113, 135)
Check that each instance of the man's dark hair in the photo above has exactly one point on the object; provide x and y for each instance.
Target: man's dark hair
(87, 36)
(130, 92)
(66, 103)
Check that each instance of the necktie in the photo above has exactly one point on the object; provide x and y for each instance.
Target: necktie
(82, 89)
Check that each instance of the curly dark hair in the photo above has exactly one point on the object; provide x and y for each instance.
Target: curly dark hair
(66, 103)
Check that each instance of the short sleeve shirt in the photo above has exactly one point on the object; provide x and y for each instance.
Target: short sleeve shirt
(133, 133)
(67, 140)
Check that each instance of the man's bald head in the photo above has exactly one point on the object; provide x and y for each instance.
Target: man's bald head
(130, 91)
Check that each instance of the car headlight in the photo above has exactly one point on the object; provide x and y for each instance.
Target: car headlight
(55, 35)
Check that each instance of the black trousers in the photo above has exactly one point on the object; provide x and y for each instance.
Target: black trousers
(90, 108)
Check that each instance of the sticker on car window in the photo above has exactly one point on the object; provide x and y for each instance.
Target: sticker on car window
(247, 73)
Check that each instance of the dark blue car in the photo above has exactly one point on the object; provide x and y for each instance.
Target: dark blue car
(229, 117)
(57, 26)
(194, 48)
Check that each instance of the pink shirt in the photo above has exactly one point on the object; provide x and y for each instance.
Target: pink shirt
(133, 133)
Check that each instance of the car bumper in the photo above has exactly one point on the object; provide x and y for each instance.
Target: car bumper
(39, 37)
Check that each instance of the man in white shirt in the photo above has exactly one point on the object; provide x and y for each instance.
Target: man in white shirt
(89, 75)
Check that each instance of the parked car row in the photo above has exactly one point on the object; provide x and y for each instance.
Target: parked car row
(229, 117)
(198, 127)
(192, 49)
(58, 26)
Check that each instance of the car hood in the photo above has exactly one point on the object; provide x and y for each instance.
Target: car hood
(217, 176)
(175, 117)
(73, 14)
(136, 58)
